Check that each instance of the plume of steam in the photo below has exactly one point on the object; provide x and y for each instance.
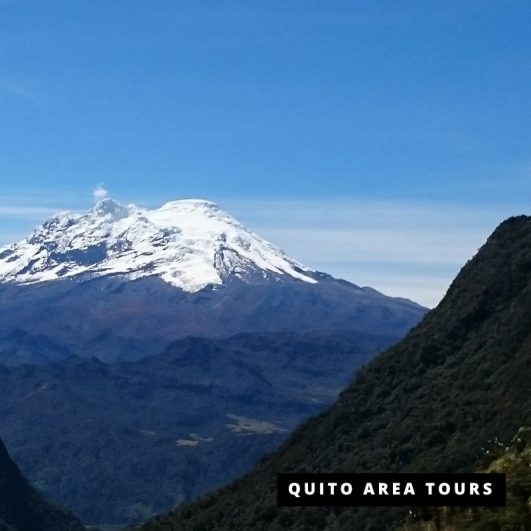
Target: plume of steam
(99, 193)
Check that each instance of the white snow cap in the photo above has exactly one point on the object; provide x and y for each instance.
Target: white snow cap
(190, 244)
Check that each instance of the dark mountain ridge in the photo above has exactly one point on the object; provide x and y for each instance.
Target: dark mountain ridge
(22, 508)
(429, 403)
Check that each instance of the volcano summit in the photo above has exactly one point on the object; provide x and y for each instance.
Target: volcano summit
(120, 282)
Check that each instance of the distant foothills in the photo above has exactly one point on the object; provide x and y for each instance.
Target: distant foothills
(158, 354)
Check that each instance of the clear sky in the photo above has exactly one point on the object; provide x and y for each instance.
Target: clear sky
(380, 141)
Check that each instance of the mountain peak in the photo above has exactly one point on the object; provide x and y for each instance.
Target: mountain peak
(110, 208)
(190, 243)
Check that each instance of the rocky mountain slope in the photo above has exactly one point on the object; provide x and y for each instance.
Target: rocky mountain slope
(430, 403)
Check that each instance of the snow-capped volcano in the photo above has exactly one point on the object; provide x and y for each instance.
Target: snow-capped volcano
(121, 282)
(189, 244)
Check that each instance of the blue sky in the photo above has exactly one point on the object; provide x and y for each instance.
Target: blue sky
(380, 141)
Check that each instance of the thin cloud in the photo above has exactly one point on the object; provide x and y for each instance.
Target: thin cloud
(17, 89)
(27, 212)
(99, 193)
(401, 245)
(402, 248)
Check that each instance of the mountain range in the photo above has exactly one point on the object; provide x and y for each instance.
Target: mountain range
(159, 353)
(448, 397)
(117, 443)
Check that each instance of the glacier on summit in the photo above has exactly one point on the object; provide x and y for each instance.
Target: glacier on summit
(189, 244)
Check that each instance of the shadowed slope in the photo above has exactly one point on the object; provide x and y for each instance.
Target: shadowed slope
(24, 509)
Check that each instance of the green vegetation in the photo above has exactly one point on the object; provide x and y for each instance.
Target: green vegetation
(515, 461)
(430, 403)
